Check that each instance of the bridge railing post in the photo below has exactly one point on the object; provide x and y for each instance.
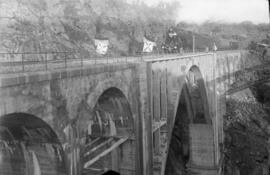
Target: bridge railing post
(81, 60)
(22, 62)
(65, 57)
(46, 62)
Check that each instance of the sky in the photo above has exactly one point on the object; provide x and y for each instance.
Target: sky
(199, 11)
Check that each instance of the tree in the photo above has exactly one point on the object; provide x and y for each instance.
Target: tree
(216, 30)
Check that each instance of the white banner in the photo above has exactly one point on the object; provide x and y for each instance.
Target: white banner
(101, 46)
(148, 45)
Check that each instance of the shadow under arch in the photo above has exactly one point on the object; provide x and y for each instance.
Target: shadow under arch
(192, 120)
(195, 88)
(111, 122)
(29, 146)
(122, 86)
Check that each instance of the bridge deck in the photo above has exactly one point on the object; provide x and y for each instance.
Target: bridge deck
(41, 63)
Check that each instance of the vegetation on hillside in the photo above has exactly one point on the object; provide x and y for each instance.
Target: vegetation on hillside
(247, 132)
(246, 141)
(62, 25)
(65, 25)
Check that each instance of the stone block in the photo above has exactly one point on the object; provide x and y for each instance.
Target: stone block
(9, 81)
(63, 74)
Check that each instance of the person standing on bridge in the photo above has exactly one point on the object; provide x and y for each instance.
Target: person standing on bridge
(173, 42)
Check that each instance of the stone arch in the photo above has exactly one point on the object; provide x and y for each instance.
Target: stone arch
(103, 86)
(191, 121)
(194, 67)
(201, 89)
(29, 146)
(110, 122)
(113, 100)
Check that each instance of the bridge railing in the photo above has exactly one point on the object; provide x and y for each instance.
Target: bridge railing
(182, 56)
(44, 61)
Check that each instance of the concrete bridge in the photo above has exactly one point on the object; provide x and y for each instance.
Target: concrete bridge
(159, 115)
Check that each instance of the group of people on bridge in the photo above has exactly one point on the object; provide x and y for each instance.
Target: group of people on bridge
(172, 44)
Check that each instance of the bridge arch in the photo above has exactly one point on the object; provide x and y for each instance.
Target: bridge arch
(103, 86)
(196, 88)
(29, 146)
(113, 101)
(191, 122)
(111, 129)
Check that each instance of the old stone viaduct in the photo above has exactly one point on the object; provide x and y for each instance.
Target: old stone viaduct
(156, 115)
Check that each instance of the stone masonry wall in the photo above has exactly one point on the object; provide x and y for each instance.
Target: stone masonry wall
(65, 99)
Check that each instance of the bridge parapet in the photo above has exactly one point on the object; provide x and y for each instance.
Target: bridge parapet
(33, 77)
(51, 61)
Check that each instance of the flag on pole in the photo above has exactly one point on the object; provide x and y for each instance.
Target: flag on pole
(101, 46)
(148, 45)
